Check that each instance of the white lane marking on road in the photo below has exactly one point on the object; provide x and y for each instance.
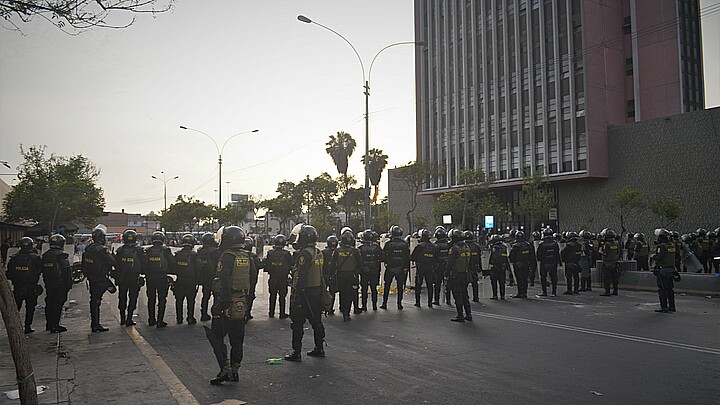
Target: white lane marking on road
(614, 335)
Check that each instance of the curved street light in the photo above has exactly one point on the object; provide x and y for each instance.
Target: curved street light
(366, 91)
(219, 151)
(165, 182)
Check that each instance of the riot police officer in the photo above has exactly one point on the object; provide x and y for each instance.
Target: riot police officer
(425, 257)
(641, 250)
(498, 266)
(397, 264)
(329, 276)
(278, 264)
(548, 254)
(236, 274)
(571, 255)
(630, 244)
(372, 256)
(24, 270)
(610, 252)
(586, 256)
(128, 266)
(346, 263)
(475, 264)
(458, 275)
(522, 257)
(307, 290)
(156, 265)
(706, 256)
(207, 258)
(184, 267)
(58, 281)
(664, 270)
(96, 265)
(443, 249)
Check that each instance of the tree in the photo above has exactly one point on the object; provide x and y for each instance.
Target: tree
(233, 213)
(54, 191)
(535, 200)
(449, 203)
(78, 15)
(666, 209)
(414, 175)
(625, 203)
(186, 214)
(287, 205)
(376, 165)
(347, 198)
(383, 218)
(319, 200)
(340, 147)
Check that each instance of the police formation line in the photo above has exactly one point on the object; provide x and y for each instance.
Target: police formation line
(226, 267)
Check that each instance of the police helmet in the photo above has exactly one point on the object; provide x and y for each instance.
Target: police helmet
(347, 239)
(519, 235)
(158, 238)
(585, 234)
(469, 235)
(572, 235)
(495, 239)
(609, 234)
(712, 235)
(631, 235)
(346, 229)
(248, 244)
(440, 233)
(332, 241)
(547, 232)
(367, 236)
(98, 234)
(425, 235)
(279, 240)
(208, 239)
(663, 235)
(456, 235)
(375, 236)
(57, 241)
(685, 238)
(439, 227)
(129, 237)
(231, 236)
(675, 235)
(701, 232)
(557, 236)
(26, 243)
(307, 236)
(640, 236)
(359, 235)
(396, 231)
(187, 240)
(536, 235)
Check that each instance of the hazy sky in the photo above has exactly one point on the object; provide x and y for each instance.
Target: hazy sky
(223, 67)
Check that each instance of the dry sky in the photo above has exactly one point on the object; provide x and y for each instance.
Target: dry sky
(221, 66)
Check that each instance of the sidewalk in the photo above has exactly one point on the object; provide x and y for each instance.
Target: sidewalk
(81, 367)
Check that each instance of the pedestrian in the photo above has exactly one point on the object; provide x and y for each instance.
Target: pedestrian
(522, 257)
(397, 264)
(329, 276)
(23, 271)
(57, 277)
(548, 254)
(97, 263)
(184, 289)
(346, 263)
(236, 274)
(207, 258)
(457, 275)
(665, 272)
(128, 267)
(641, 251)
(307, 291)
(571, 255)
(498, 266)
(610, 253)
(372, 255)
(278, 264)
(585, 259)
(475, 264)
(425, 257)
(156, 264)
(442, 246)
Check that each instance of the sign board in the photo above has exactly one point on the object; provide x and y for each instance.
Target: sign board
(489, 222)
(447, 219)
(552, 214)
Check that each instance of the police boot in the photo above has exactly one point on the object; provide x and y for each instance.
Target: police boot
(294, 356)
(204, 317)
(271, 312)
(95, 319)
(122, 318)
(161, 315)
(222, 376)
(316, 352)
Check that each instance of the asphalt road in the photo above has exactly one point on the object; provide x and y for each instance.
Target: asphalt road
(567, 349)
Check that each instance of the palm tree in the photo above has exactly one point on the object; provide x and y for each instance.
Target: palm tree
(377, 163)
(340, 147)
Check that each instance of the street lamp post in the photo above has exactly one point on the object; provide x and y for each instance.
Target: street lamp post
(219, 152)
(366, 91)
(165, 182)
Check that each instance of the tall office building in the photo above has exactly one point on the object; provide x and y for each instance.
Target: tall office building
(510, 85)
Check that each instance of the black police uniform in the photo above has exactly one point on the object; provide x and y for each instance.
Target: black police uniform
(425, 257)
(372, 255)
(207, 259)
(498, 266)
(306, 297)
(185, 268)
(586, 256)
(397, 263)
(610, 251)
(641, 253)
(57, 276)
(128, 266)
(330, 276)
(156, 265)
(457, 274)
(475, 268)
(24, 270)
(548, 254)
(278, 264)
(522, 257)
(97, 263)
(571, 256)
(443, 248)
(346, 263)
(664, 271)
